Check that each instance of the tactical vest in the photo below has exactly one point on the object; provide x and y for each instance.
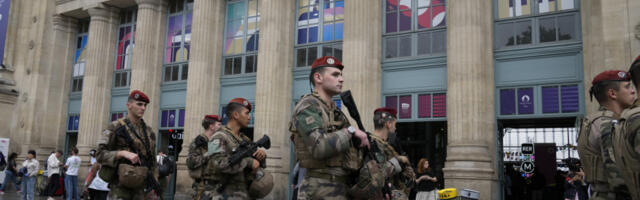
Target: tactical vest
(198, 172)
(627, 160)
(332, 120)
(591, 157)
(237, 181)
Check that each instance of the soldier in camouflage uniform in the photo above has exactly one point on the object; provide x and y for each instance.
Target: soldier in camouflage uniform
(232, 182)
(396, 168)
(114, 150)
(198, 157)
(323, 137)
(614, 92)
(626, 139)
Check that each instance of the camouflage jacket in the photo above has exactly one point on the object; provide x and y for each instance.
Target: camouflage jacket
(626, 141)
(223, 143)
(109, 144)
(394, 172)
(593, 144)
(197, 156)
(322, 143)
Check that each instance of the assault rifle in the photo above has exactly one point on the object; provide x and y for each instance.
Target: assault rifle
(247, 149)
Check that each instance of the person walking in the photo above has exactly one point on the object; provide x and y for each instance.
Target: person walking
(10, 173)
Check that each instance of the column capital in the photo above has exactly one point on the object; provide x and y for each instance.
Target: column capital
(151, 4)
(103, 12)
(64, 23)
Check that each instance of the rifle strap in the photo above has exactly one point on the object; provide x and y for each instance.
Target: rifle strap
(130, 129)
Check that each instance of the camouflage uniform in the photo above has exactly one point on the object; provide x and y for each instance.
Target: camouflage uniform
(626, 141)
(394, 173)
(596, 151)
(324, 148)
(196, 163)
(228, 182)
(108, 146)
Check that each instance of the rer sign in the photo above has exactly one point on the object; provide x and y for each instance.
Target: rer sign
(527, 148)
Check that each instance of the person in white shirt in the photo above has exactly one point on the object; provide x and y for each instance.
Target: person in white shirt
(29, 179)
(71, 178)
(53, 167)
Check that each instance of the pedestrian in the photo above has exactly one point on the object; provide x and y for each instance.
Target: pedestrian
(128, 144)
(198, 157)
(426, 182)
(627, 139)
(71, 176)
(53, 172)
(233, 180)
(10, 173)
(96, 189)
(575, 186)
(322, 135)
(29, 179)
(614, 93)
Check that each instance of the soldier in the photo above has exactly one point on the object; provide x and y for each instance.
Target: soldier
(322, 135)
(626, 140)
(126, 150)
(396, 168)
(614, 93)
(198, 157)
(232, 182)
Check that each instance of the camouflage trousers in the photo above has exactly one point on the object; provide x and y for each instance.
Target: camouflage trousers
(317, 188)
(210, 192)
(120, 193)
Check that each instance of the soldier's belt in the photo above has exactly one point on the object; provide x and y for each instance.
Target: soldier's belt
(333, 178)
(207, 181)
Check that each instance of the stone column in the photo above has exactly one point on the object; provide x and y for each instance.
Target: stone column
(470, 98)
(98, 75)
(609, 39)
(203, 84)
(273, 88)
(60, 65)
(146, 68)
(361, 56)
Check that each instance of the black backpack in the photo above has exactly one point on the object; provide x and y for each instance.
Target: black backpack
(168, 167)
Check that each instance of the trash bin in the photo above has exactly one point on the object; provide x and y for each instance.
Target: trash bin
(448, 193)
(453, 194)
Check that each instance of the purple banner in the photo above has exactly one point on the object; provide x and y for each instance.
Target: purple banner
(405, 107)
(440, 105)
(507, 103)
(525, 101)
(391, 102)
(172, 118)
(163, 120)
(570, 98)
(181, 118)
(424, 105)
(550, 102)
(4, 19)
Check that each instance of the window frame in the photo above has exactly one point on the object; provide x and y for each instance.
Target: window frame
(244, 53)
(320, 44)
(183, 66)
(413, 33)
(78, 81)
(125, 71)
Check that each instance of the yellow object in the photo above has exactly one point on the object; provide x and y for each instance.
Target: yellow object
(448, 193)
(40, 172)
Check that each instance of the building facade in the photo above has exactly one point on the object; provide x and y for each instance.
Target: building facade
(458, 71)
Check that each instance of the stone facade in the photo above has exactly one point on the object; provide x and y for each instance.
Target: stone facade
(34, 89)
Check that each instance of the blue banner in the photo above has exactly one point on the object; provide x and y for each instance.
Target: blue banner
(4, 17)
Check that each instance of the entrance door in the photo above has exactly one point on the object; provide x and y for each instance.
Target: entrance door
(424, 140)
(554, 140)
(70, 140)
(163, 145)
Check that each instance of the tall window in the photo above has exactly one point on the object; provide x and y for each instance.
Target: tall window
(319, 30)
(178, 41)
(414, 28)
(80, 57)
(73, 122)
(241, 37)
(124, 48)
(531, 22)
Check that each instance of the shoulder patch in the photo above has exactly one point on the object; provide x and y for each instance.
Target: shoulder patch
(215, 147)
(310, 120)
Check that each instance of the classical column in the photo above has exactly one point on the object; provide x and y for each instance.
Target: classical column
(203, 84)
(59, 73)
(273, 88)
(609, 39)
(470, 98)
(361, 55)
(98, 75)
(146, 68)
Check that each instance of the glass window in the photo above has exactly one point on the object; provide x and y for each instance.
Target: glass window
(79, 60)
(414, 22)
(117, 115)
(172, 118)
(241, 37)
(178, 40)
(519, 21)
(124, 47)
(319, 25)
(73, 122)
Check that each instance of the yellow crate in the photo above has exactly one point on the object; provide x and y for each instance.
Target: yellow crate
(448, 193)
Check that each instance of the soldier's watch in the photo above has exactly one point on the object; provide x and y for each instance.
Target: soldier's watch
(351, 130)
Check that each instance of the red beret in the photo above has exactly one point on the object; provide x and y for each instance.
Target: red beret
(242, 101)
(391, 111)
(212, 117)
(139, 96)
(611, 75)
(327, 61)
